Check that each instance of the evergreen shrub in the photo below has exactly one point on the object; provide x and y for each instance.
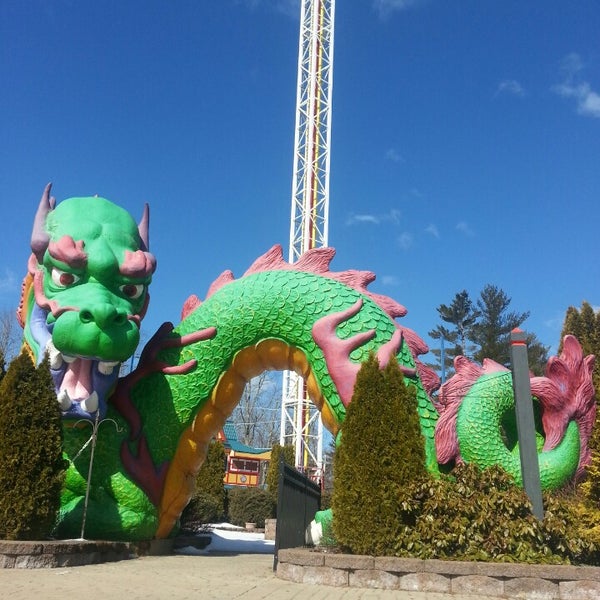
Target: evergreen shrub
(250, 505)
(380, 454)
(202, 509)
(207, 504)
(32, 467)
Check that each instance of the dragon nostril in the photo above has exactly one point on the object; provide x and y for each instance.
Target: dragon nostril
(103, 315)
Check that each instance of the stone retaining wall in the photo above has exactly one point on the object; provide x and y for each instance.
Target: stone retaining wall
(501, 580)
(74, 553)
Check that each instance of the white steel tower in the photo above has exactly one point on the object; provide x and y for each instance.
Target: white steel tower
(300, 422)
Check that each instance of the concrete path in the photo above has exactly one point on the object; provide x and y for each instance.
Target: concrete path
(182, 577)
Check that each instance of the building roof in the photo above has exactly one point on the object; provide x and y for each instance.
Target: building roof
(230, 441)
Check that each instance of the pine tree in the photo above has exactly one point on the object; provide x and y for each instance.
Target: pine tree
(462, 315)
(537, 354)
(492, 331)
(380, 453)
(31, 464)
(483, 331)
(445, 358)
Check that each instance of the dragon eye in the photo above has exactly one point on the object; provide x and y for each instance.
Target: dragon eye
(132, 291)
(62, 279)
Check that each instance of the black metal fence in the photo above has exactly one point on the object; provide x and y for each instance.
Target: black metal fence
(299, 498)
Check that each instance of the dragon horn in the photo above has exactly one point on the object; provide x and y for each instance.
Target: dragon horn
(39, 236)
(143, 228)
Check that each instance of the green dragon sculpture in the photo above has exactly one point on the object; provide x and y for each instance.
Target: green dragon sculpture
(86, 293)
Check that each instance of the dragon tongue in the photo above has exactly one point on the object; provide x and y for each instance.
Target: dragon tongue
(78, 379)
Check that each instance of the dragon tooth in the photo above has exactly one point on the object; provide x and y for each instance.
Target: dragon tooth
(107, 367)
(69, 359)
(64, 402)
(54, 355)
(90, 404)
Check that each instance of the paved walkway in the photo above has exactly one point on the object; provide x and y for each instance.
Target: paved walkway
(182, 577)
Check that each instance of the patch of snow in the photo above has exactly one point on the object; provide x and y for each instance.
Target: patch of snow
(229, 538)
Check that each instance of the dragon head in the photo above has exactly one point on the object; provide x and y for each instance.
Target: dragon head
(85, 295)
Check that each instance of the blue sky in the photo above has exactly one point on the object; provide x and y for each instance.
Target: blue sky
(465, 141)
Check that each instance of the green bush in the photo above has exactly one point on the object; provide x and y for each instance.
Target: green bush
(380, 454)
(272, 478)
(202, 508)
(484, 515)
(591, 486)
(586, 512)
(32, 467)
(207, 504)
(250, 505)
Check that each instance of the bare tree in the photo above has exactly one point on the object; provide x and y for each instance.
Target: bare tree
(11, 335)
(256, 417)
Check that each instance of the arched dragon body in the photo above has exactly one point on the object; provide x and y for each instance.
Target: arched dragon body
(155, 424)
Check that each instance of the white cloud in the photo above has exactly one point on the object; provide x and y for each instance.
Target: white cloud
(385, 7)
(511, 87)
(393, 216)
(589, 104)
(393, 155)
(587, 100)
(570, 65)
(405, 240)
(8, 283)
(433, 230)
(357, 219)
(389, 280)
(463, 227)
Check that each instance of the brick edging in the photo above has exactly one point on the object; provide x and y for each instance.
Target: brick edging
(500, 580)
(74, 553)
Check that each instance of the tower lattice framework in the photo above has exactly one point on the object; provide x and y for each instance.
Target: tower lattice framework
(301, 425)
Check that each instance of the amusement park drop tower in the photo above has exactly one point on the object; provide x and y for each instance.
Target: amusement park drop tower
(301, 425)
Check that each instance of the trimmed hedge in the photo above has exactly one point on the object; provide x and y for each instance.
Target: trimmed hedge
(32, 468)
(250, 505)
(381, 452)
